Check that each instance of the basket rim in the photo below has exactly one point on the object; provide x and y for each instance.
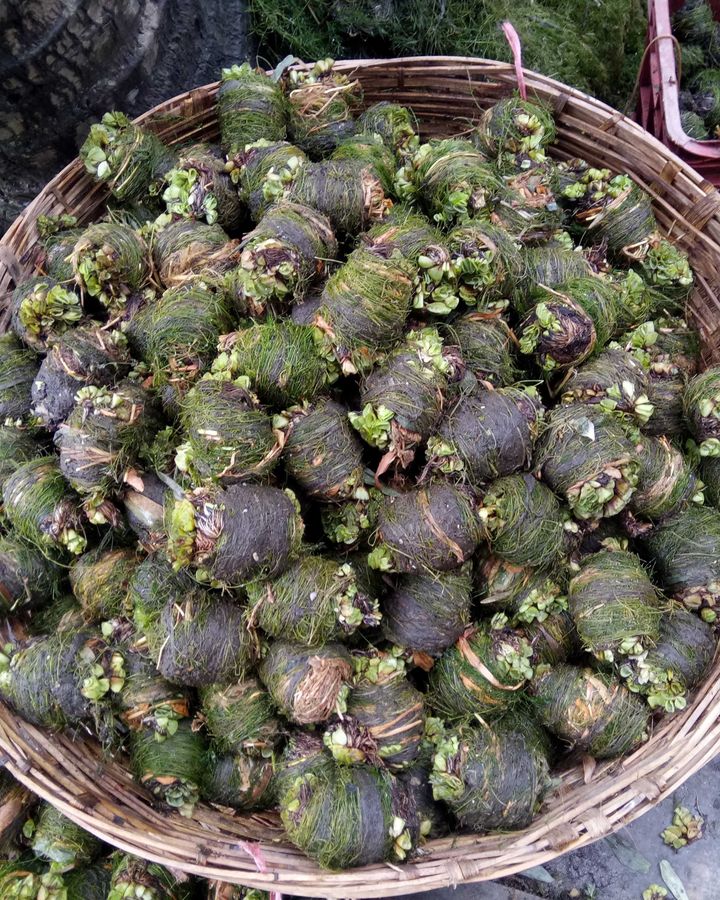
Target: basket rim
(101, 796)
(669, 87)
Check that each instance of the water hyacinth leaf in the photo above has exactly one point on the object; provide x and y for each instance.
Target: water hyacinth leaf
(667, 268)
(685, 828)
(637, 300)
(353, 521)
(42, 310)
(23, 877)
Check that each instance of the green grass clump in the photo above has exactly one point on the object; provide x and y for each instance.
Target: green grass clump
(593, 46)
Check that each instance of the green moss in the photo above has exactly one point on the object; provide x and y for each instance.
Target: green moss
(593, 46)
(40, 507)
(110, 262)
(590, 710)
(226, 435)
(61, 841)
(280, 359)
(128, 158)
(172, 770)
(177, 334)
(250, 107)
(18, 368)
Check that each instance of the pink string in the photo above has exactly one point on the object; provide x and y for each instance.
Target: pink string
(253, 850)
(513, 39)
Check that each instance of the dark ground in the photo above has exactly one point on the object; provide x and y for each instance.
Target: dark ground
(63, 63)
(623, 866)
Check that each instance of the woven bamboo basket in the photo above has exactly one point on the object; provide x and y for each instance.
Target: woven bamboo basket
(446, 93)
